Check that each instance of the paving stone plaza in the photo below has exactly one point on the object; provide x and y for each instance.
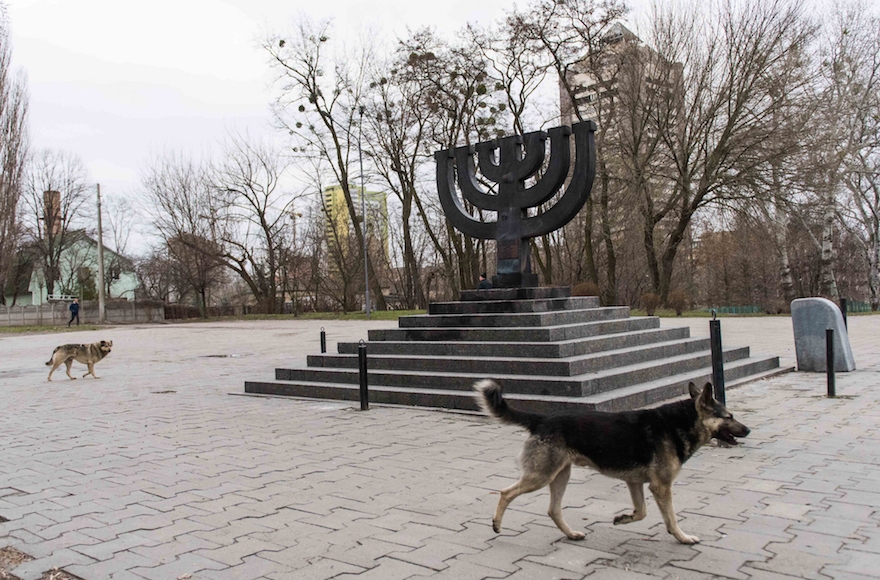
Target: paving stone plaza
(163, 470)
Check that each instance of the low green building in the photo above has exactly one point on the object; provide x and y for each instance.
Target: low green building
(77, 276)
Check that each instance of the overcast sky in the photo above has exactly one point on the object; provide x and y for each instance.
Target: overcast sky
(116, 81)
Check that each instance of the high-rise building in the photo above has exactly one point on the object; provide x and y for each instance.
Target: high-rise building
(623, 72)
(338, 220)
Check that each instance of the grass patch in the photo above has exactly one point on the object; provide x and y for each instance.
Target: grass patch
(374, 315)
(47, 329)
(669, 313)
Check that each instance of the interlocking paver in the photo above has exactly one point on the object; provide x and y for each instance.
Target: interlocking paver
(179, 566)
(318, 569)
(132, 484)
(119, 562)
(58, 559)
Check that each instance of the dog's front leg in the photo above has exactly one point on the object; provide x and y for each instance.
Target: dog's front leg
(662, 492)
(557, 490)
(91, 371)
(637, 493)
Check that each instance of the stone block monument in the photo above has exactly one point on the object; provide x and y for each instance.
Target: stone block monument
(810, 317)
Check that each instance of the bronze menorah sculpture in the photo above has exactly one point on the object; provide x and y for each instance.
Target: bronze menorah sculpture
(519, 158)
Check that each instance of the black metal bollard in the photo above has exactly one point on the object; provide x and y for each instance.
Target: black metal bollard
(717, 360)
(323, 341)
(362, 368)
(843, 311)
(829, 362)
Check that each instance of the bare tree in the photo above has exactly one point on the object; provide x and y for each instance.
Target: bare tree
(189, 219)
(55, 213)
(119, 217)
(575, 36)
(847, 103)
(851, 100)
(721, 69)
(398, 132)
(455, 97)
(320, 104)
(155, 274)
(516, 68)
(13, 150)
(258, 212)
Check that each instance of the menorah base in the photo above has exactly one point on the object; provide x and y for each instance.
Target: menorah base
(524, 294)
(515, 280)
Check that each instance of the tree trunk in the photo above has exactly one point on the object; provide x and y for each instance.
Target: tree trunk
(786, 280)
(874, 268)
(609, 294)
(414, 296)
(827, 283)
(589, 256)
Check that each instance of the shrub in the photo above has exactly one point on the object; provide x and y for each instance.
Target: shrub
(777, 307)
(585, 289)
(650, 302)
(678, 301)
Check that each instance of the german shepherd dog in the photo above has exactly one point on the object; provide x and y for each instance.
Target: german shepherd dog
(639, 447)
(88, 354)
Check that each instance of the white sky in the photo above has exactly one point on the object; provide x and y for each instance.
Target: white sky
(117, 80)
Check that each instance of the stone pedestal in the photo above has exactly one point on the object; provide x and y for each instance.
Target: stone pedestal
(810, 317)
(552, 352)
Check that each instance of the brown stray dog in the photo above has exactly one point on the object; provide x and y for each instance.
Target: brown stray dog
(88, 354)
(638, 447)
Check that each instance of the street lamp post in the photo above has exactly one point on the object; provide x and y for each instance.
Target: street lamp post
(364, 213)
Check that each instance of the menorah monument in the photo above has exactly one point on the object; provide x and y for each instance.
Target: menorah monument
(510, 163)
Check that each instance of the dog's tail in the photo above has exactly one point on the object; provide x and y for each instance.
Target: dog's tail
(48, 364)
(491, 401)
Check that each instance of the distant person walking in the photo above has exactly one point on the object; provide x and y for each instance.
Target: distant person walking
(74, 311)
(484, 283)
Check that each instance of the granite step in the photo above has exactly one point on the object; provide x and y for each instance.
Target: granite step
(578, 385)
(543, 292)
(512, 306)
(560, 367)
(537, 334)
(665, 389)
(736, 373)
(536, 319)
(564, 348)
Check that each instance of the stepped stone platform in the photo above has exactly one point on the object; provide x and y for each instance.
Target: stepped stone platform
(551, 351)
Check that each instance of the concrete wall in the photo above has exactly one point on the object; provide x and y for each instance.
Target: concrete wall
(57, 314)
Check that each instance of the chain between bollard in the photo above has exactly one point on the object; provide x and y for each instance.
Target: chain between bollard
(362, 368)
(829, 362)
(323, 341)
(717, 360)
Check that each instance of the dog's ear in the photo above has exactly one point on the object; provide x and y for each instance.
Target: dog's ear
(693, 390)
(707, 398)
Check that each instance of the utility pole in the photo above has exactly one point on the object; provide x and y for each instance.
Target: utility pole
(101, 313)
